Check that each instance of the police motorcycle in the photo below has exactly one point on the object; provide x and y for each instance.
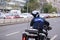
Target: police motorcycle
(35, 34)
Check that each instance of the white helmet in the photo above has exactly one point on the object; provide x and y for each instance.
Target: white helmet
(35, 13)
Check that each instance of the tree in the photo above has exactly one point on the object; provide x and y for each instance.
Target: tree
(53, 9)
(32, 5)
(48, 8)
(8, 0)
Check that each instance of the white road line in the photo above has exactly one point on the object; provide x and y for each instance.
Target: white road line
(54, 37)
(12, 33)
(55, 21)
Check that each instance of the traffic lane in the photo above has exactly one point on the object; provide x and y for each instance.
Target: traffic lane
(12, 28)
(55, 24)
(55, 31)
(14, 32)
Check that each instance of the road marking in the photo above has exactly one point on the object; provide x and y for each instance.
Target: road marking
(55, 21)
(12, 33)
(54, 37)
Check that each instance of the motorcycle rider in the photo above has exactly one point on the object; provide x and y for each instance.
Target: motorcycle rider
(38, 21)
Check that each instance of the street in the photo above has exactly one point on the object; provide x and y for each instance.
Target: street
(14, 32)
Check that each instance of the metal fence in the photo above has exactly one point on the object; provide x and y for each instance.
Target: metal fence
(14, 21)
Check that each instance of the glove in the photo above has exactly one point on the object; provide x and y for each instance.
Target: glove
(49, 28)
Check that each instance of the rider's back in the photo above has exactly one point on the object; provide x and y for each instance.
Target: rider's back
(38, 22)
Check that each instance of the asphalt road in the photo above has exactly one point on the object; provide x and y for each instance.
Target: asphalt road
(14, 32)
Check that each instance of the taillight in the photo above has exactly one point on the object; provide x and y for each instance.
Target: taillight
(24, 38)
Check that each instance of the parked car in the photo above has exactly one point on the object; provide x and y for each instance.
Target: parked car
(44, 15)
(9, 16)
(16, 15)
(26, 15)
(23, 16)
(2, 16)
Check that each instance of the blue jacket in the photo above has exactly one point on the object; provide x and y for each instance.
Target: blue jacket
(38, 22)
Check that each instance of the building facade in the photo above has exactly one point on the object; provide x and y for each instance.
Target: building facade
(12, 4)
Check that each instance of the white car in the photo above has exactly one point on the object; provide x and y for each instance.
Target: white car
(27, 15)
(24, 16)
(44, 15)
(9, 16)
(2, 15)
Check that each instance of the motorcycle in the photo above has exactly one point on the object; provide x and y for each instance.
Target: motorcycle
(34, 34)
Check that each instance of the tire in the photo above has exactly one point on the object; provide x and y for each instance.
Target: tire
(36, 39)
(43, 38)
(48, 38)
(24, 37)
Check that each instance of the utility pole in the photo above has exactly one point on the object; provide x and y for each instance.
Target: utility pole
(27, 5)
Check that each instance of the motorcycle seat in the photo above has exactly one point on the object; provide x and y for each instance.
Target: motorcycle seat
(32, 31)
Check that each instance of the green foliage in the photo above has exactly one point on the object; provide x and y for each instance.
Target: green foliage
(24, 9)
(32, 5)
(53, 10)
(48, 8)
